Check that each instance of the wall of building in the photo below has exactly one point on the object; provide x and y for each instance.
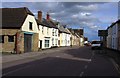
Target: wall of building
(25, 26)
(44, 33)
(54, 38)
(114, 37)
(8, 46)
(109, 38)
(118, 35)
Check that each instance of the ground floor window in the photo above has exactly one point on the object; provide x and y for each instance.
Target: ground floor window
(10, 38)
(1, 38)
(46, 43)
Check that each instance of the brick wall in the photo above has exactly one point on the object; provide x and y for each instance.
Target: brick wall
(35, 42)
(8, 46)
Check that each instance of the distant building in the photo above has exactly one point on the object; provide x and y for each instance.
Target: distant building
(109, 37)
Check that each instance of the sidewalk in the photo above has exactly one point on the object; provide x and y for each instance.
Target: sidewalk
(115, 55)
(14, 57)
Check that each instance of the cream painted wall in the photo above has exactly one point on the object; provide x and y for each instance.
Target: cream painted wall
(25, 26)
(55, 37)
(42, 35)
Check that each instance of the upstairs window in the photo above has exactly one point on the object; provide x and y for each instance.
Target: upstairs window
(1, 38)
(30, 25)
(53, 32)
(10, 38)
(42, 29)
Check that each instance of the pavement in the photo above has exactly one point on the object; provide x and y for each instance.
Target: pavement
(113, 55)
(14, 57)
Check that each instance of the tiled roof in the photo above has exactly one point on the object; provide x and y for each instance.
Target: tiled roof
(14, 17)
(49, 23)
(61, 29)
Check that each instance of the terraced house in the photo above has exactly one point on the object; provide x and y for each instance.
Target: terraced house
(113, 38)
(64, 35)
(22, 32)
(48, 32)
(19, 30)
(44, 32)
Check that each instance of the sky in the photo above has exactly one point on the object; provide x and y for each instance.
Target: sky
(91, 16)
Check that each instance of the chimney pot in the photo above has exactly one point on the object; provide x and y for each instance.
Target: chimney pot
(48, 16)
(40, 15)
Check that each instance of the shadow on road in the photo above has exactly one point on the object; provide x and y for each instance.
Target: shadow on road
(82, 52)
(49, 66)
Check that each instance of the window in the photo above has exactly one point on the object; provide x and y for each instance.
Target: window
(52, 41)
(46, 43)
(53, 32)
(1, 38)
(42, 29)
(10, 38)
(56, 42)
(30, 25)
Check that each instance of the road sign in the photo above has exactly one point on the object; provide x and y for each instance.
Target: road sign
(102, 32)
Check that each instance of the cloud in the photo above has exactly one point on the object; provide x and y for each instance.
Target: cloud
(90, 15)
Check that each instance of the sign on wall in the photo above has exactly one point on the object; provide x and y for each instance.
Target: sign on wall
(102, 32)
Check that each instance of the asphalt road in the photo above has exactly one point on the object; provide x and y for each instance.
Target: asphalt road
(73, 62)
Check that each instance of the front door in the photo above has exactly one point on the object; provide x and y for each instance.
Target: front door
(40, 44)
(27, 42)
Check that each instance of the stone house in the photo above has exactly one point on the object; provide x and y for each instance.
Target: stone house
(19, 30)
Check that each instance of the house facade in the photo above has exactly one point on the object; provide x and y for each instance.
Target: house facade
(68, 37)
(48, 32)
(44, 32)
(118, 23)
(109, 37)
(114, 36)
(62, 35)
(21, 33)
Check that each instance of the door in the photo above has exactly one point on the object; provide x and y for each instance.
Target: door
(27, 42)
(40, 44)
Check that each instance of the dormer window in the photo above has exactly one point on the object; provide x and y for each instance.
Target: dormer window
(30, 25)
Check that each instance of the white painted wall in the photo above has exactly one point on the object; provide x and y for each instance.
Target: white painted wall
(81, 41)
(68, 40)
(54, 38)
(114, 36)
(25, 26)
(45, 35)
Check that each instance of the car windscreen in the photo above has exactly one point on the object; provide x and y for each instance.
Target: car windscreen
(96, 42)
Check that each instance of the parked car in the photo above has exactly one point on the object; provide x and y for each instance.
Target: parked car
(96, 45)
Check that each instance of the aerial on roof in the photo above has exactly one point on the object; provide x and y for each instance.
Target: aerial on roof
(14, 17)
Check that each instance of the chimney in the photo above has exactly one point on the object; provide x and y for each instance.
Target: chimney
(40, 15)
(48, 16)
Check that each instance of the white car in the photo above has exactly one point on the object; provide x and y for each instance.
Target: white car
(96, 45)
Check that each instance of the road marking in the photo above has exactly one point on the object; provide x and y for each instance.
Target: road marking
(81, 59)
(115, 65)
(16, 70)
(81, 74)
(57, 56)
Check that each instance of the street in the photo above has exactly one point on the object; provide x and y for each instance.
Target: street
(81, 61)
